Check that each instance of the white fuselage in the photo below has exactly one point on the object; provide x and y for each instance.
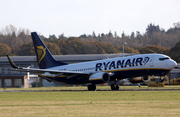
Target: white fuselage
(120, 64)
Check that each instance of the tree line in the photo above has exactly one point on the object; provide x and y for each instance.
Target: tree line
(18, 42)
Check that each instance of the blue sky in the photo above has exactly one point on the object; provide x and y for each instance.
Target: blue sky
(76, 17)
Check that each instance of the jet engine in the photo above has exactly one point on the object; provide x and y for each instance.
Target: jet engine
(139, 79)
(100, 77)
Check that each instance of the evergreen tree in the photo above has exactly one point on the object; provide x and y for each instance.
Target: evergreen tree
(152, 28)
(115, 34)
(102, 35)
(132, 35)
(110, 34)
(83, 36)
(62, 36)
(93, 35)
(99, 35)
(123, 35)
(52, 37)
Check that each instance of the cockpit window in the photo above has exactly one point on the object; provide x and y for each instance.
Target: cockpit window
(162, 59)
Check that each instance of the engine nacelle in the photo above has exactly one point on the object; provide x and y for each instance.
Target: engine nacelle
(100, 76)
(139, 79)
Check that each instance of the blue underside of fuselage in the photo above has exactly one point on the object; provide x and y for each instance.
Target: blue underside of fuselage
(118, 74)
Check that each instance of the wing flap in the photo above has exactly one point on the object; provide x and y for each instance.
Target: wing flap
(50, 71)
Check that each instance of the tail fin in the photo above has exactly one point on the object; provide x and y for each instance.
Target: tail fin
(44, 57)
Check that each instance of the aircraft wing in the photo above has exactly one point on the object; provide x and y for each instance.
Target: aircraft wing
(22, 69)
(50, 71)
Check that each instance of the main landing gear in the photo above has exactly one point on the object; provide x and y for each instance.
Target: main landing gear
(115, 86)
(91, 87)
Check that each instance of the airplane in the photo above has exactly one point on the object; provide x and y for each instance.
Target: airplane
(97, 72)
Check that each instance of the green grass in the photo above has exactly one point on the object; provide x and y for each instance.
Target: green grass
(90, 103)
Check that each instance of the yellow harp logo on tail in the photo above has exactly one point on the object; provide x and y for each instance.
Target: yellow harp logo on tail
(41, 52)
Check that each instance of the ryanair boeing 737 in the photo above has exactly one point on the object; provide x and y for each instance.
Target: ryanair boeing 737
(96, 72)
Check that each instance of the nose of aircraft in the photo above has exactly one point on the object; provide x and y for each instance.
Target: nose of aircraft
(172, 64)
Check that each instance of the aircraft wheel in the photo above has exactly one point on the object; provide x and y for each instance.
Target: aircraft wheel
(113, 87)
(117, 87)
(91, 87)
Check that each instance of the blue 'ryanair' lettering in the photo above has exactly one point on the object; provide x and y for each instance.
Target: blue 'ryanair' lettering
(132, 64)
(121, 63)
(146, 59)
(106, 65)
(112, 65)
(139, 60)
(98, 66)
(128, 62)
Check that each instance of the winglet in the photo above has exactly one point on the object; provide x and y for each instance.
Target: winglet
(11, 62)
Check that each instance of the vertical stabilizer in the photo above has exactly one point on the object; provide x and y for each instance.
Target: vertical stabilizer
(44, 57)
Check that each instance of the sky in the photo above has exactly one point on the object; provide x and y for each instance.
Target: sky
(77, 17)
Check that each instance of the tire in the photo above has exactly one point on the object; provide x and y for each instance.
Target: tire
(117, 87)
(113, 87)
(91, 87)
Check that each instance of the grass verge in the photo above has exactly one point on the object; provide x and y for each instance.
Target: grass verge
(90, 103)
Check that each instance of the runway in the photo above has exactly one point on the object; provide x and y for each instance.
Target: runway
(151, 89)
